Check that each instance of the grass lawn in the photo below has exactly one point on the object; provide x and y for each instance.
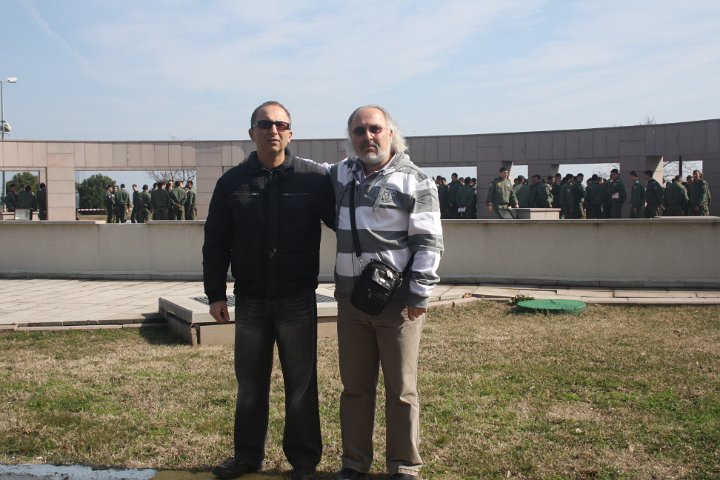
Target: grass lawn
(616, 392)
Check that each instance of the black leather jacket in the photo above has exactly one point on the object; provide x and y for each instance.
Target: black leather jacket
(266, 225)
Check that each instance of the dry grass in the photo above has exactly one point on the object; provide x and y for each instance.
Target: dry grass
(617, 392)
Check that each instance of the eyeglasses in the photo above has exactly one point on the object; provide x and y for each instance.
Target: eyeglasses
(374, 129)
(267, 125)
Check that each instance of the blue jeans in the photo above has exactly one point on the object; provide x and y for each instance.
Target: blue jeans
(291, 322)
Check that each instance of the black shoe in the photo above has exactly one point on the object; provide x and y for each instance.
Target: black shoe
(233, 469)
(403, 476)
(302, 473)
(350, 474)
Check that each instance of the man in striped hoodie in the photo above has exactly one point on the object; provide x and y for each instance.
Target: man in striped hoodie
(398, 221)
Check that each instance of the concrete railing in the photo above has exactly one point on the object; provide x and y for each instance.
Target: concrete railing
(663, 252)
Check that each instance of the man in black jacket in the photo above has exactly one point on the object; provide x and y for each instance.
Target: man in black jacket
(264, 221)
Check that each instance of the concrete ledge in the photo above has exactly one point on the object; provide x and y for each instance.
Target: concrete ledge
(626, 253)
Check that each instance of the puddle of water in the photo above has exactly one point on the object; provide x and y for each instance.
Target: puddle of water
(80, 472)
(73, 472)
(179, 475)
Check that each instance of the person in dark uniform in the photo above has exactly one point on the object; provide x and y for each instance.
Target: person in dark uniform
(145, 205)
(676, 198)
(637, 197)
(160, 202)
(699, 196)
(136, 205)
(11, 198)
(556, 188)
(190, 201)
(42, 202)
(452, 195)
(26, 201)
(616, 195)
(122, 203)
(567, 197)
(177, 201)
(595, 198)
(110, 204)
(541, 194)
(653, 196)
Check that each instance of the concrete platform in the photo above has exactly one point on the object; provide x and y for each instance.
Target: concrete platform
(188, 317)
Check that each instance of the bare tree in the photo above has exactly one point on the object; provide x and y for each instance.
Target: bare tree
(184, 175)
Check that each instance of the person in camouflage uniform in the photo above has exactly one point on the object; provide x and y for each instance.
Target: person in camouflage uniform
(699, 196)
(500, 196)
(676, 198)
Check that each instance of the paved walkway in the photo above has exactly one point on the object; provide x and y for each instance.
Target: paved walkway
(62, 304)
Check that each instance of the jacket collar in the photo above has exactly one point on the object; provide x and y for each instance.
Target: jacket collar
(256, 167)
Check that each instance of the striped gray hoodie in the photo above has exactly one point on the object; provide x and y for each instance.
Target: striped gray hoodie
(397, 213)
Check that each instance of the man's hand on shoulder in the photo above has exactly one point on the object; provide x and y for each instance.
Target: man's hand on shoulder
(219, 311)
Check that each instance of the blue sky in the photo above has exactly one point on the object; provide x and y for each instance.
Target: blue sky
(194, 70)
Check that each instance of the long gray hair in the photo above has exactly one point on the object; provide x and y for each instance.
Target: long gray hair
(399, 144)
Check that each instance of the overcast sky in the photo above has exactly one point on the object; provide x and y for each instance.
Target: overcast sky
(183, 69)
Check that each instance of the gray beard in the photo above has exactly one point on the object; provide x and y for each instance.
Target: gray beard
(374, 158)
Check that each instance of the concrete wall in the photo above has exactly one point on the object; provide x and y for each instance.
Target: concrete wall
(633, 148)
(673, 252)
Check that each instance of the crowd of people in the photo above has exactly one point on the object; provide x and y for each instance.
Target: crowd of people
(167, 200)
(596, 198)
(27, 200)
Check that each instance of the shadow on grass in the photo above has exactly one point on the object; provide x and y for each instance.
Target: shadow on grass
(160, 335)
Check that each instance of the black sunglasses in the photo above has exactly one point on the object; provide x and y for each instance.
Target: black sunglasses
(267, 125)
(374, 129)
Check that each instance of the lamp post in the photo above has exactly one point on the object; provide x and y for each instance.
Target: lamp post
(4, 126)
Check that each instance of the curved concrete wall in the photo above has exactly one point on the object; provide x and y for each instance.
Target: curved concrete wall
(671, 252)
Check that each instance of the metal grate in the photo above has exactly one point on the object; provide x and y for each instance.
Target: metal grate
(231, 299)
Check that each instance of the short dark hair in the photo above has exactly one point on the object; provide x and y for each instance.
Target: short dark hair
(649, 173)
(503, 169)
(122, 185)
(633, 173)
(614, 170)
(267, 104)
